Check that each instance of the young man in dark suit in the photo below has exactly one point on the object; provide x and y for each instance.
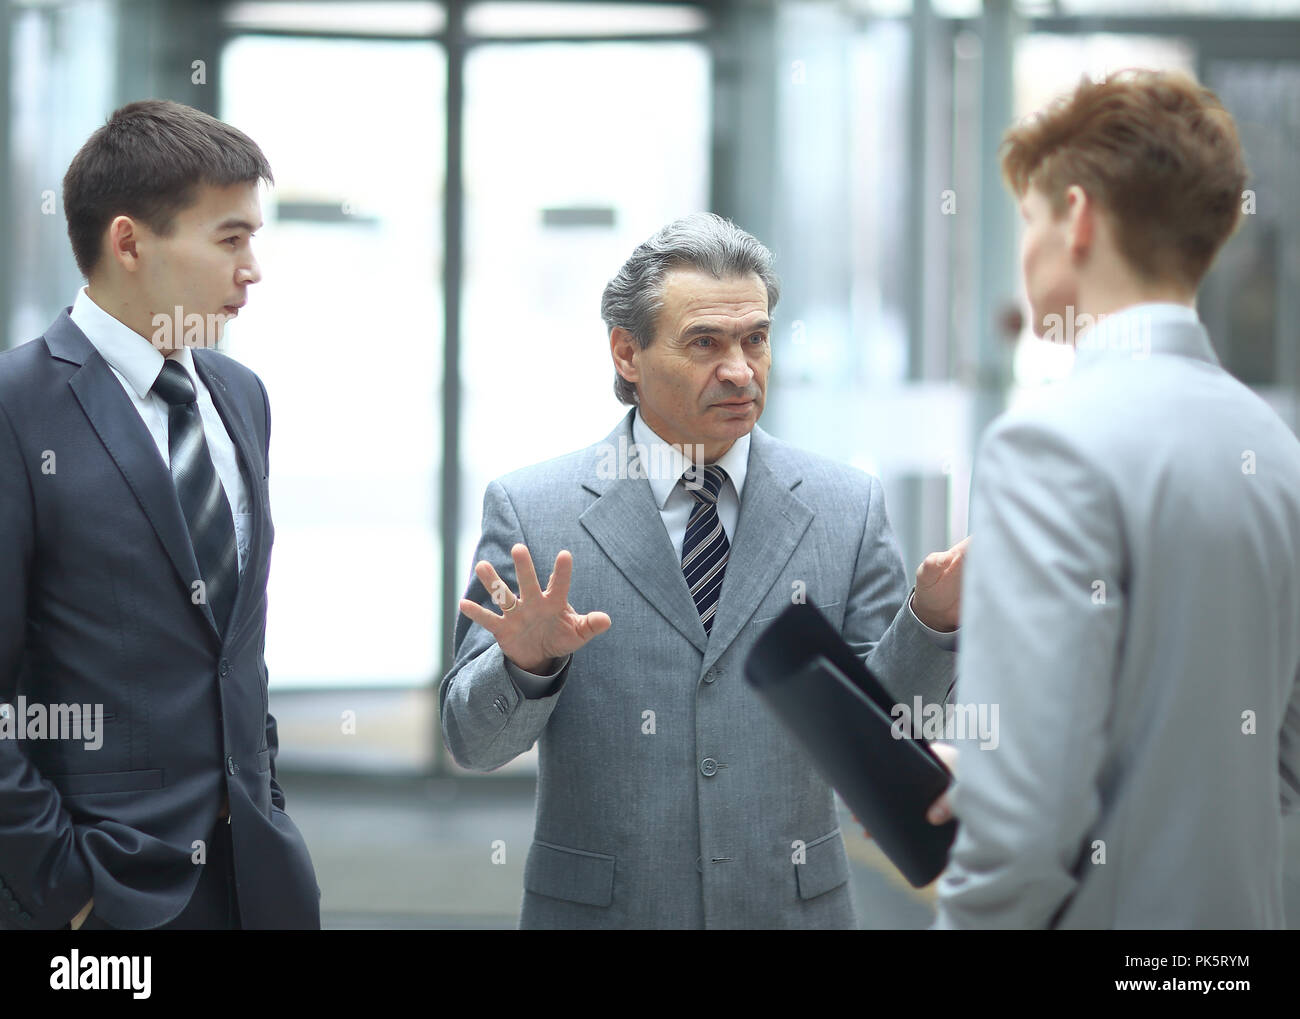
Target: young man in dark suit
(135, 537)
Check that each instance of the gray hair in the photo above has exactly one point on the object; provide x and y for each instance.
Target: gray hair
(702, 240)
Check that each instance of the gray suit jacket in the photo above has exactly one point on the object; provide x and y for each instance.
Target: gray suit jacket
(1131, 604)
(666, 794)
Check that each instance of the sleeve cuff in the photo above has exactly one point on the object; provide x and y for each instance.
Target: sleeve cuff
(940, 639)
(531, 685)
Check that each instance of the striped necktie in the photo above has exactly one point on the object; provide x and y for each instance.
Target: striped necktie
(202, 499)
(705, 547)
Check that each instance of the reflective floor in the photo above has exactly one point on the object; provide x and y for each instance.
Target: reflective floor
(416, 854)
(408, 853)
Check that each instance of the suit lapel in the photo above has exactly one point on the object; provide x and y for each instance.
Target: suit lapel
(625, 522)
(772, 521)
(129, 444)
(241, 433)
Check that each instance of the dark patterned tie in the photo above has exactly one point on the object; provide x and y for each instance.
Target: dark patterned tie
(705, 547)
(203, 500)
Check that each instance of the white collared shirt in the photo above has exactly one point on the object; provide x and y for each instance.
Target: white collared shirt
(674, 501)
(1128, 330)
(1157, 312)
(137, 363)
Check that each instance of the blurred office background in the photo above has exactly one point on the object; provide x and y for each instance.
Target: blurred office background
(455, 183)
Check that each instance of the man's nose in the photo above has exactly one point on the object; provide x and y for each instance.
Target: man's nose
(736, 369)
(249, 272)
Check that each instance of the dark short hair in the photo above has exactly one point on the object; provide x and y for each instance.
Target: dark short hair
(703, 241)
(148, 162)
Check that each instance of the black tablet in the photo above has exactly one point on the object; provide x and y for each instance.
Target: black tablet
(844, 718)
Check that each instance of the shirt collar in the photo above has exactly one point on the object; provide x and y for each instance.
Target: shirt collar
(1140, 330)
(134, 357)
(735, 461)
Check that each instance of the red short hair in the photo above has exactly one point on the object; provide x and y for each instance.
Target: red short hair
(1154, 149)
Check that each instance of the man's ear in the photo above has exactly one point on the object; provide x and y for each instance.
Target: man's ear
(122, 246)
(1081, 211)
(623, 348)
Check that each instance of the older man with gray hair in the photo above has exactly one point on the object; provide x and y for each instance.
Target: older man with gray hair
(666, 795)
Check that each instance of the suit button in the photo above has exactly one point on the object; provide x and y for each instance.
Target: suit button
(711, 676)
(708, 767)
(230, 764)
(225, 667)
(25, 917)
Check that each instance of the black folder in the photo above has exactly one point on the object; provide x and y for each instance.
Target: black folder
(839, 712)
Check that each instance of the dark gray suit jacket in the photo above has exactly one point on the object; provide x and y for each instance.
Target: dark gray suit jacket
(96, 568)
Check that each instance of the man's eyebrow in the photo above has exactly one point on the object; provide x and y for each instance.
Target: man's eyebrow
(703, 328)
(237, 224)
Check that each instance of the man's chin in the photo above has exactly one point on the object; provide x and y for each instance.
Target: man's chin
(733, 426)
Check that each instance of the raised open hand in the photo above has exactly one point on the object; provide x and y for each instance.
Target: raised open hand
(535, 627)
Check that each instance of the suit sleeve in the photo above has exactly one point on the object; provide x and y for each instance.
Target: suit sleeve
(272, 733)
(881, 627)
(1040, 647)
(486, 719)
(44, 880)
(1289, 753)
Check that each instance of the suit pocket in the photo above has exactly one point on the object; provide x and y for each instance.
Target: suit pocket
(108, 782)
(830, 610)
(825, 866)
(571, 874)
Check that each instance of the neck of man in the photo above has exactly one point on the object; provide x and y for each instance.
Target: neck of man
(712, 452)
(715, 453)
(127, 310)
(1107, 296)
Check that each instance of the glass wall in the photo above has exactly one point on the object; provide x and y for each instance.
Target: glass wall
(345, 330)
(574, 154)
(455, 184)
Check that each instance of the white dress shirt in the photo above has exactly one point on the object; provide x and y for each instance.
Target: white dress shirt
(1129, 329)
(137, 364)
(675, 503)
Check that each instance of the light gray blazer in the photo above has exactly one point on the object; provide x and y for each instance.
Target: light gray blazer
(1149, 729)
(692, 816)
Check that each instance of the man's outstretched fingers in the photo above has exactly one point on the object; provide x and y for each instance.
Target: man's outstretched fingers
(478, 614)
(561, 575)
(486, 573)
(528, 585)
(593, 624)
(498, 590)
